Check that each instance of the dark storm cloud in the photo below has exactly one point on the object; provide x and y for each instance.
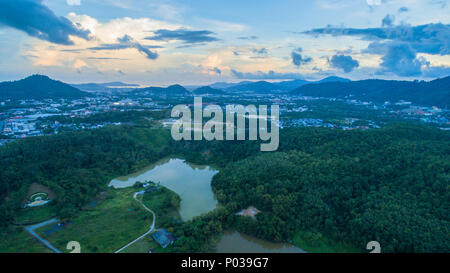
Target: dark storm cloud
(388, 21)
(399, 45)
(398, 57)
(37, 20)
(346, 63)
(429, 38)
(126, 42)
(184, 35)
(298, 59)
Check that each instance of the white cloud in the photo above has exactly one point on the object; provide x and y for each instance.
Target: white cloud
(79, 64)
(109, 31)
(73, 2)
(222, 26)
(373, 2)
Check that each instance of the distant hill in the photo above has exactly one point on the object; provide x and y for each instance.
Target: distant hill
(433, 93)
(104, 87)
(268, 87)
(173, 90)
(224, 85)
(205, 90)
(333, 79)
(257, 87)
(38, 87)
(119, 84)
(290, 85)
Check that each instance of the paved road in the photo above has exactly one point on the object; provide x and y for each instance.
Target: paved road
(145, 234)
(31, 229)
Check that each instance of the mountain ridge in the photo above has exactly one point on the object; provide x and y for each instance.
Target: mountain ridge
(431, 93)
(38, 87)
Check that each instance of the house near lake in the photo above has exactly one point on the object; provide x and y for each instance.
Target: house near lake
(163, 238)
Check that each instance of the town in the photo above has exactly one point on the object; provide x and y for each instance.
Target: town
(27, 118)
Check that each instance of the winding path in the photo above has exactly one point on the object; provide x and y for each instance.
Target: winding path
(145, 234)
(31, 229)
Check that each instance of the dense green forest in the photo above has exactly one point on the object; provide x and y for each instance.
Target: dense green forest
(388, 184)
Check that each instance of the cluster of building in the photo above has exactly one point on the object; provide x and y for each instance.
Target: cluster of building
(20, 127)
(31, 117)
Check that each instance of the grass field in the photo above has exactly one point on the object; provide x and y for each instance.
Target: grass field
(143, 246)
(115, 220)
(37, 214)
(18, 240)
(106, 227)
(164, 203)
(316, 243)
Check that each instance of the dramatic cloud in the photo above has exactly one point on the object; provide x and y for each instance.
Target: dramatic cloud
(184, 35)
(429, 38)
(37, 20)
(126, 42)
(399, 58)
(399, 45)
(298, 59)
(346, 63)
(271, 75)
(388, 21)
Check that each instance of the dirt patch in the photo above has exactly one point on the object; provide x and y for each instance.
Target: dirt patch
(35, 188)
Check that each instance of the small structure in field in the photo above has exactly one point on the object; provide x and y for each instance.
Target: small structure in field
(249, 212)
(38, 195)
(164, 238)
(37, 200)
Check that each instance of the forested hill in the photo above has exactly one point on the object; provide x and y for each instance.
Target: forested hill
(38, 87)
(173, 90)
(432, 93)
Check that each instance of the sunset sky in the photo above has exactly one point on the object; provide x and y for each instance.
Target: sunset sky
(194, 42)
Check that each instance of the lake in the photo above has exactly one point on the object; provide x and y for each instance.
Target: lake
(235, 242)
(191, 182)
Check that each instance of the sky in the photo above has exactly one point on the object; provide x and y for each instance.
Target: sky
(198, 42)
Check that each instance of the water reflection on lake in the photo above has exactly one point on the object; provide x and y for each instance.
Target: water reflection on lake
(191, 182)
(235, 242)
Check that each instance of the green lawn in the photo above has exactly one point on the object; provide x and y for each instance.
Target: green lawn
(316, 243)
(164, 203)
(18, 240)
(37, 214)
(106, 227)
(143, 246)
